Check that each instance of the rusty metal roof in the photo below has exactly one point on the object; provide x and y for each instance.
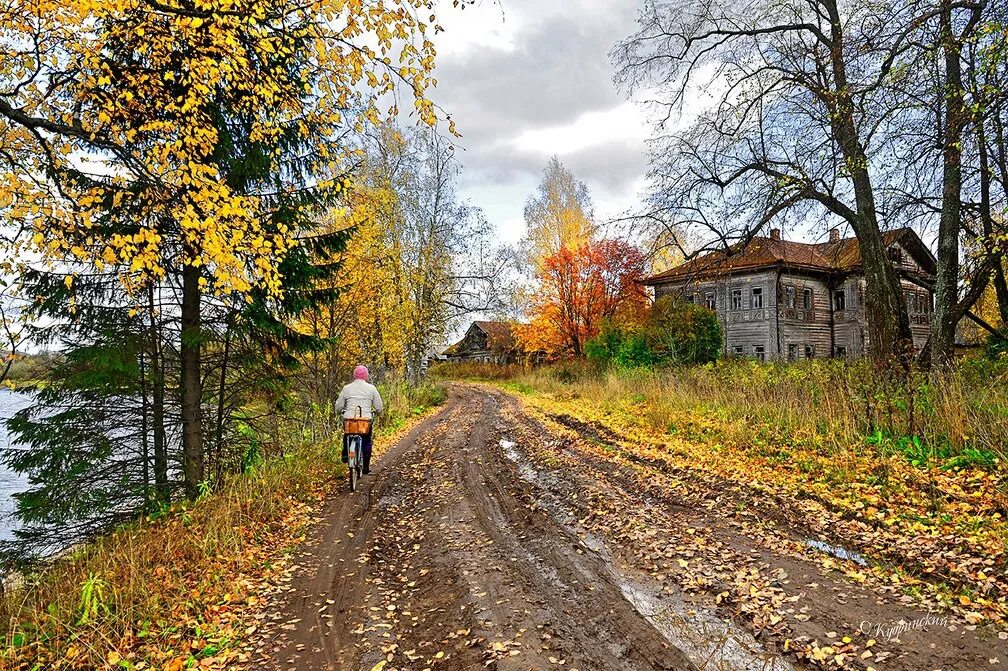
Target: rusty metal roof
(842, 255)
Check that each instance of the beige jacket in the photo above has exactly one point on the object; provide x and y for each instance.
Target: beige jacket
(359, 394)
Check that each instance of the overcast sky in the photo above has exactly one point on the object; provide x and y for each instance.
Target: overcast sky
(526, 79)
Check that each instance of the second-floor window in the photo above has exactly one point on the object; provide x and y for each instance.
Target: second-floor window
(911, 299)
(757, 298)
(789, 297)
(807, 299)
(736, 299)
(839, 300)
(711, 300)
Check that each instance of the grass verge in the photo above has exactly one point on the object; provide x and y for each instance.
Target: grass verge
(176, 591)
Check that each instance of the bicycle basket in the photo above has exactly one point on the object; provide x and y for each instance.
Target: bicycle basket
(356, 426)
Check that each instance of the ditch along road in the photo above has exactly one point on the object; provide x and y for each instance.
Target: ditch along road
(492, 538)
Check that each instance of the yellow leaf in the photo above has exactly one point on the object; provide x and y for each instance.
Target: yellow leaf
(379, 666)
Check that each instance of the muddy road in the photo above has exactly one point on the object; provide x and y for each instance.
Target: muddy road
(487, 539)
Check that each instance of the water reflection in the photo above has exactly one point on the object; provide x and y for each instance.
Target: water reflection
(10, 481)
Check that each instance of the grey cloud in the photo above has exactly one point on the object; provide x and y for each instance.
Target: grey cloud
(613, 165)
(559, 70)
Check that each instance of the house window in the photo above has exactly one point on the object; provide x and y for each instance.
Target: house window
(839, 300)
(789, 297)
(759, 352)
(809, 351)
(688, 298)
(807, 299)
(757, 298)
(792, 351)
(710, 298)
(924, 302)
(895, 254)
(911, 299)
(840, 352)
(736, 299)
(737, 349)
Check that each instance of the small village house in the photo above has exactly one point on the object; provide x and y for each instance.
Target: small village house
(778, 299)
(486, 342)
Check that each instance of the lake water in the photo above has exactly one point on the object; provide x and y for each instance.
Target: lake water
(10, 482)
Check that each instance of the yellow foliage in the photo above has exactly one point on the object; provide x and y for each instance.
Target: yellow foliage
(138, 108)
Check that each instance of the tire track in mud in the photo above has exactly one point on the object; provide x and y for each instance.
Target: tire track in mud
(679, 536)
(447, 561)
(491, 537)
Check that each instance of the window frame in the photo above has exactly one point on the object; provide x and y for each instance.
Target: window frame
(790, 296)
(809, 351)
(736, 307)
(752, 298)
(759, 355)
(710, 300)
(808, 298)
(839, 296)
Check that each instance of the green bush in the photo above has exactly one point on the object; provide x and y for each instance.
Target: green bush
(997, 346)
(683, 332)
(674, 332)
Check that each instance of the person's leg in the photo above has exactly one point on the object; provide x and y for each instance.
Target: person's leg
(366, 448)
(346, 444)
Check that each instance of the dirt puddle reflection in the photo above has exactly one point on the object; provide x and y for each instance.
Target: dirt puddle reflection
(710, 642)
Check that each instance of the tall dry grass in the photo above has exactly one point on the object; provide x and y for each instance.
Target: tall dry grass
(959, 415)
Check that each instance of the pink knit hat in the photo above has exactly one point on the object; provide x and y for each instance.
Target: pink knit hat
(360, 373)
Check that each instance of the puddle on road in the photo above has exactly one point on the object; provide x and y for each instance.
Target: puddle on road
(712, 644)
(837, 551)
(708, 641)
(525, 470)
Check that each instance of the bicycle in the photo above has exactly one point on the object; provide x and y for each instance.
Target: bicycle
(355, 460)
(355, 428)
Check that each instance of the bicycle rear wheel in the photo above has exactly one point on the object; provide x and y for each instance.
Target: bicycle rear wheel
(354, 462)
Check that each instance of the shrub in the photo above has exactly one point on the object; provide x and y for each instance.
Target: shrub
(997, 346)
(623, 347)
(675, 331)
(683, 332)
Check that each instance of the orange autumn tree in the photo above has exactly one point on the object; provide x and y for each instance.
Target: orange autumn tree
(579, 289)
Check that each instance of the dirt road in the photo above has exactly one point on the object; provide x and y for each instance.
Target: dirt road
(487, 539)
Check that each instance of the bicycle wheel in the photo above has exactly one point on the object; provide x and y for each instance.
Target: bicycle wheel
(353, 450)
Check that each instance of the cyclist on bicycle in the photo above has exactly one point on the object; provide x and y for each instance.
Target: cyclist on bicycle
(360, 399)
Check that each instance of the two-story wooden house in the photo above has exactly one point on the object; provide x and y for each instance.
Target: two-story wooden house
(778, 299)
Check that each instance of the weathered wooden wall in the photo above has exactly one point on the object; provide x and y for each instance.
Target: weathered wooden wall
(776, 327)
